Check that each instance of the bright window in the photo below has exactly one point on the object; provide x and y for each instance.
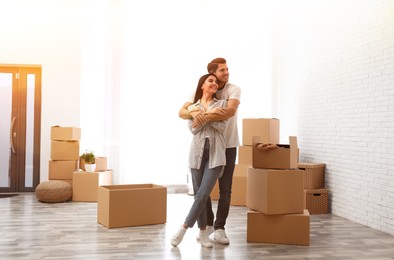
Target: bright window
(140, 62)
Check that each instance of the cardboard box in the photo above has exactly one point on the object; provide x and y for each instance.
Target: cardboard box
(61, 170)
(101, 164)
(85, 184)
(59, 133)
(238, 191)
(291, 229)
(131, 205)
(245, 154)
(316, 201)
(285, 157)
(69, 182)
(215, 191)
(64, 150)
(313, 175)
(267, 128)
(275, 191)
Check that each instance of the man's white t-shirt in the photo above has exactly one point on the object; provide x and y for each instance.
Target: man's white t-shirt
(230, 91)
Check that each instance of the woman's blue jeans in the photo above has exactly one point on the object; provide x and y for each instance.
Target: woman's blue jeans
(204, 180)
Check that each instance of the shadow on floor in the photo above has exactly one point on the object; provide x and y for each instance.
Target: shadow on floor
(5, 195)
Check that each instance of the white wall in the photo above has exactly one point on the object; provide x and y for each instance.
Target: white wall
(46, 33)
(334, 68)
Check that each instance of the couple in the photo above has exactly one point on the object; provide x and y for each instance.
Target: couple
(213, 123)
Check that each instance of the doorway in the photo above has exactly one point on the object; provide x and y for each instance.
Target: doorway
(20, 131)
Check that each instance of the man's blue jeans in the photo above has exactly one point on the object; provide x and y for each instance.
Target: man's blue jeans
(225, 185)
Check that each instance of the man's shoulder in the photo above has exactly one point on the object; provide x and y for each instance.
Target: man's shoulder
(232, 90)
(231, 85)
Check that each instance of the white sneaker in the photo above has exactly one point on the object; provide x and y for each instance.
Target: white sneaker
(177, 238)
(209, 229)
(204, 239)
(221, 237)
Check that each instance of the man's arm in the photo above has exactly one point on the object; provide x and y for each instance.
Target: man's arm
(229, 111)
(184, 112)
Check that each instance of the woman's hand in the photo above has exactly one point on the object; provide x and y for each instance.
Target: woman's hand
(199, 120)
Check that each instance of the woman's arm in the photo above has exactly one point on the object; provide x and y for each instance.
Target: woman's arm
(219, 126)
(194, 130)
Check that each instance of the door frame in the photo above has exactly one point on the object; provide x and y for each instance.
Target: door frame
(17, 162)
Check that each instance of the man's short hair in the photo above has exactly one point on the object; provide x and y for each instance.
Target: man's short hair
(213, 65)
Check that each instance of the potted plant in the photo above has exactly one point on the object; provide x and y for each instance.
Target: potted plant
(87, 161)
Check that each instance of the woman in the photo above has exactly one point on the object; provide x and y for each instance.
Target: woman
(206, 158)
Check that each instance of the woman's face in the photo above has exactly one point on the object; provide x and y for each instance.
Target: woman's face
(210, 85)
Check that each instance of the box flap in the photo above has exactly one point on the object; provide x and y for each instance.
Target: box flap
(285, 157)
(293, 151)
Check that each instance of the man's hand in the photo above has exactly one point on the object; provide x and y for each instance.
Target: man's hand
(194, 113)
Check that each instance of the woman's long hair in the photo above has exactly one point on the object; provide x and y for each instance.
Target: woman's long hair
(198, 94)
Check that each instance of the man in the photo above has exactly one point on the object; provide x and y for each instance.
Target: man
(232, 94)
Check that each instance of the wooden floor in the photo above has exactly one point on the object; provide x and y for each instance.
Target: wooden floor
(33, 230)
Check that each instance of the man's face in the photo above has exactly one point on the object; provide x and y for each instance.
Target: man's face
(222, 74)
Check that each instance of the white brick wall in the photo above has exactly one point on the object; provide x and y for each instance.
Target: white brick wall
(334, 80)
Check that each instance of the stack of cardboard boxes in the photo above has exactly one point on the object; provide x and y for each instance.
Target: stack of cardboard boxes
(279, 191)
(275, 194)
(268, 129)
(65, 165)
(64, 153)
(85, 184)
(315, 194)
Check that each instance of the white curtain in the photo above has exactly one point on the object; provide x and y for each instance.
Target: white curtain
(140, 62)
